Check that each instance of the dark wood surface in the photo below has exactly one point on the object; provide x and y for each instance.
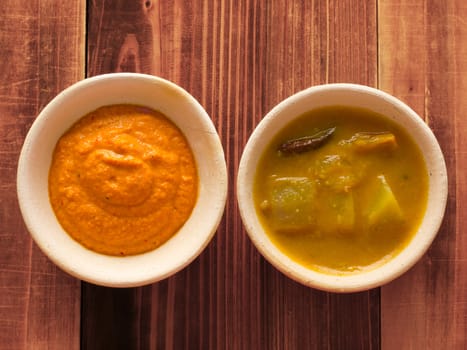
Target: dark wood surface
(238, 58)
(42, 52)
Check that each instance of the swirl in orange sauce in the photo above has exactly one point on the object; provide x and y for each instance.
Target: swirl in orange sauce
(123, 180)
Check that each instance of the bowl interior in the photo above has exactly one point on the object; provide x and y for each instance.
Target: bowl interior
(36, 156)
(355, 96)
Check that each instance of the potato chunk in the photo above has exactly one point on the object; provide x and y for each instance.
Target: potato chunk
(383, 206)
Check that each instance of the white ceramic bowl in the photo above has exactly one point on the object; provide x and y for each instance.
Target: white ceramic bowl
(357, 96)
(35, 159)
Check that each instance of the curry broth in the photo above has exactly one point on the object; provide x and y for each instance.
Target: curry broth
(340, 207)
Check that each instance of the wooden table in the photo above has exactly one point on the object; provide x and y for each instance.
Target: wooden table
(238, 58)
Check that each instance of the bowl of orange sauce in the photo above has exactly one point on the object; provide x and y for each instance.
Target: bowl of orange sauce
(122, 179)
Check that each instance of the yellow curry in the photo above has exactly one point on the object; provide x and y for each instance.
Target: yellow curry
(341, 189)
(123, 180)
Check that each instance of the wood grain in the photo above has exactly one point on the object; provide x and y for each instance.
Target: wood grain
(309, 43)
(238, 58)
(422, 58)
(42, 53)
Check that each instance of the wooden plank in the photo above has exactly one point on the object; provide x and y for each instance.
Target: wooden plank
(238, 58)
(207, 305)
(424, 42)
(42, 53)
(309, 43)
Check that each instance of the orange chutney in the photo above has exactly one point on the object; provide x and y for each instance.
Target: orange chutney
(123, 180)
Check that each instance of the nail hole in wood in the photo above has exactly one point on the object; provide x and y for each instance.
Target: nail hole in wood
(148, 4)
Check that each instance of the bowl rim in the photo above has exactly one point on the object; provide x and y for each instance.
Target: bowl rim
(414, 126)
(202, 125)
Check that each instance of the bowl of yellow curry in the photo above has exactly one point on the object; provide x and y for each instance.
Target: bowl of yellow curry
(342, 187)
(122, 179)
